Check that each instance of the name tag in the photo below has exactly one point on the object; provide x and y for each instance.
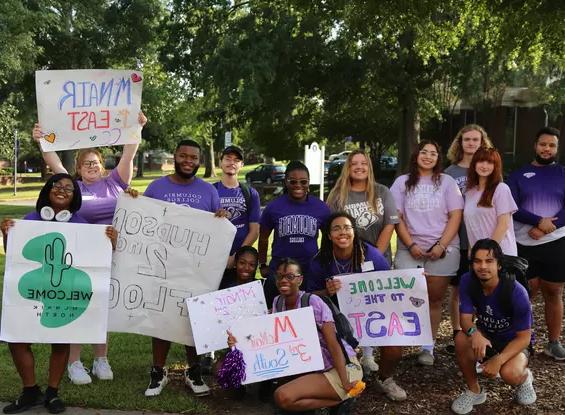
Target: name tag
(367, 266)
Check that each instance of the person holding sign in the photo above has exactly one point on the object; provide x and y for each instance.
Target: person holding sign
(99, 195)
(372, 206)
(500, 337)
(430, 206)
(295, 218)
(315, 390)
(343, 252)
(183, 188)
(59, 200)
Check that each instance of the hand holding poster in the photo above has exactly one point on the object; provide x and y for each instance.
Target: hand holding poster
(387, 308)
(211, 314)
(88, 108)
(278, 345)
(165, 254)
(56, 286)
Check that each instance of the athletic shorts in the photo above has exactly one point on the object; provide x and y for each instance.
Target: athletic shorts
(497, 348)
(546, 261)
(354, 373)
(464, 265)
(443, 267)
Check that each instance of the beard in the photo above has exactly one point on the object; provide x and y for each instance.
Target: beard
(184, 175)
(545, 161)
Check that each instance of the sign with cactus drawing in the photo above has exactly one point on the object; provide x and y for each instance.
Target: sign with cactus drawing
(56, 283)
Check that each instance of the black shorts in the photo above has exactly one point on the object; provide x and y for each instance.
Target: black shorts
(464, 265)
(546, 261)
(497, 348)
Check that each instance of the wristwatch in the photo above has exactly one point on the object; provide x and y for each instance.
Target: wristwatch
(470, 331)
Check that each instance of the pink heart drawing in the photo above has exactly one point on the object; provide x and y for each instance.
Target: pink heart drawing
(135, 77)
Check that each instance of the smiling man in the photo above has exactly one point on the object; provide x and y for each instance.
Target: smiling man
(500, 336)
(539, 191)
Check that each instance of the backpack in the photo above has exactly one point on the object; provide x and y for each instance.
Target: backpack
(515, 268)
(342, 325)
(245, 190)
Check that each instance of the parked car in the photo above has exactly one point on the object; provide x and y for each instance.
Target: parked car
(266, 173)
(339, 156)
(334, 171)
(385, 174)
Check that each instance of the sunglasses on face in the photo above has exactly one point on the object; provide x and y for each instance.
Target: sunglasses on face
(90, 163)
(294, 182)
(60, 188)
(288, 277)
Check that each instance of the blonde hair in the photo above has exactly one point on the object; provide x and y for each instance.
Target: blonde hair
(338, 195)
(455, 152)
(80, 156)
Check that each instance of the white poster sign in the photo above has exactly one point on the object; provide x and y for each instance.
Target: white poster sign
(211, 314)
(387, 308)
(56, 283)
(165, 254)
(88, 108)
(278, 345)
(314, 160)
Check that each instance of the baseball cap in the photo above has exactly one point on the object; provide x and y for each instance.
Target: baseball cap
(233, 150)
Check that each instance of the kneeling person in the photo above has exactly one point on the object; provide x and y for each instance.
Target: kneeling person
(501, 338)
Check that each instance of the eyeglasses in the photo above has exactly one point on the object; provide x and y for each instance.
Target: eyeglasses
(60, 188)
(339, 228)
(288, 277)
(294, 182)
(90, 163)
(428, 153)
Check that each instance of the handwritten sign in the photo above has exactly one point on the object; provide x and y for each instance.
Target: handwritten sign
(165, 254)
(211, 314)
(56, 285)
(278, 345)
(387, 308)
(88, 108)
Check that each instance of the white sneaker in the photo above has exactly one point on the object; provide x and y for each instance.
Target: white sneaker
(193, 379)
(78, 374)
(101, 369)
(158, 381)
(368, 363)
(465, 402)
(391, 389)
(525, 393)
(426, 358)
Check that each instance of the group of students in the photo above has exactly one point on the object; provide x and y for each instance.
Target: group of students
(458, 226)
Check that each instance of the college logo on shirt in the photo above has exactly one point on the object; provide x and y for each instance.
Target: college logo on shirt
(364, 215)
(529, 174)
(461, 183)
(425, 198)
(298, 225)
(235, 206)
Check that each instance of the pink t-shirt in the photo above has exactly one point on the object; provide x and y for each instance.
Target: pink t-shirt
(426, 207)
(481, 221)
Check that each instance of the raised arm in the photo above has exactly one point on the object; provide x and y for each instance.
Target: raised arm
(50, 157)
(125, 166)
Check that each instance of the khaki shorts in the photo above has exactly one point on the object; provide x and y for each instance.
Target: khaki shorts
(443, 267)
(354, 373)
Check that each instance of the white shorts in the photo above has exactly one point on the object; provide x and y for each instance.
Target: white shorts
(443, 267)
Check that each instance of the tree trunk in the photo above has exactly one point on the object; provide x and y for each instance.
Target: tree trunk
(409, 135)
(68, 160)
(209, 159)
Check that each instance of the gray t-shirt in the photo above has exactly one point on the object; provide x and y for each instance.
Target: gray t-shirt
(460, 175)
(370, 224)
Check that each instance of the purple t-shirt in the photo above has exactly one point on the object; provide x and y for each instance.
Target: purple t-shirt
(426, 207)
(481, 221)
(322, 314)
(539, 192)
(233, 200)
(492, 320)
(317, 274)
(198, 194)
(296, 226)
(76, 218)
(99, 199)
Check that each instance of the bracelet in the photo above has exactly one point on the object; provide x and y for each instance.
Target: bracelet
(441, 246)
(470, 331)
(413, 244)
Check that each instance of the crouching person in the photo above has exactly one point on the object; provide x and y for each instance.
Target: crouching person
(500, 337)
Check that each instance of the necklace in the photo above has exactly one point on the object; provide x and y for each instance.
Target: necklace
(342, 268)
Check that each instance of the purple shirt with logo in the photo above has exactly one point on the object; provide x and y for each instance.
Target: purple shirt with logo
(99, 199)
(493, 322)
(296, 226)
(198, 194)
(240, 215)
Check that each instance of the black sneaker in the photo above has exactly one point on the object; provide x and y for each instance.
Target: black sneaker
(344, 408)
(193, 379)
(25, 402)
(157, 381)
(55, 405)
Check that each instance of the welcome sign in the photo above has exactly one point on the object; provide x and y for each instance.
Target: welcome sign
(278, 345)
(88, 108)
(387, 308)
(55, 287)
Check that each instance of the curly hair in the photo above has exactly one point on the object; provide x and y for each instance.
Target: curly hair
(455, 152)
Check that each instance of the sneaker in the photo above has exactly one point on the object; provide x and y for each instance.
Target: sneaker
(555, 350)
(368, 364)
(344, 408)
(55, 405)
(101, 369)
(426, 358)
(525, 393)
(391, 389)
(78, 374)
(465, 402)
(25, 402)
(158, 381)
(193, 379)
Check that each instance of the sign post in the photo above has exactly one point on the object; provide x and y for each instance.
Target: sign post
(314, 160)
